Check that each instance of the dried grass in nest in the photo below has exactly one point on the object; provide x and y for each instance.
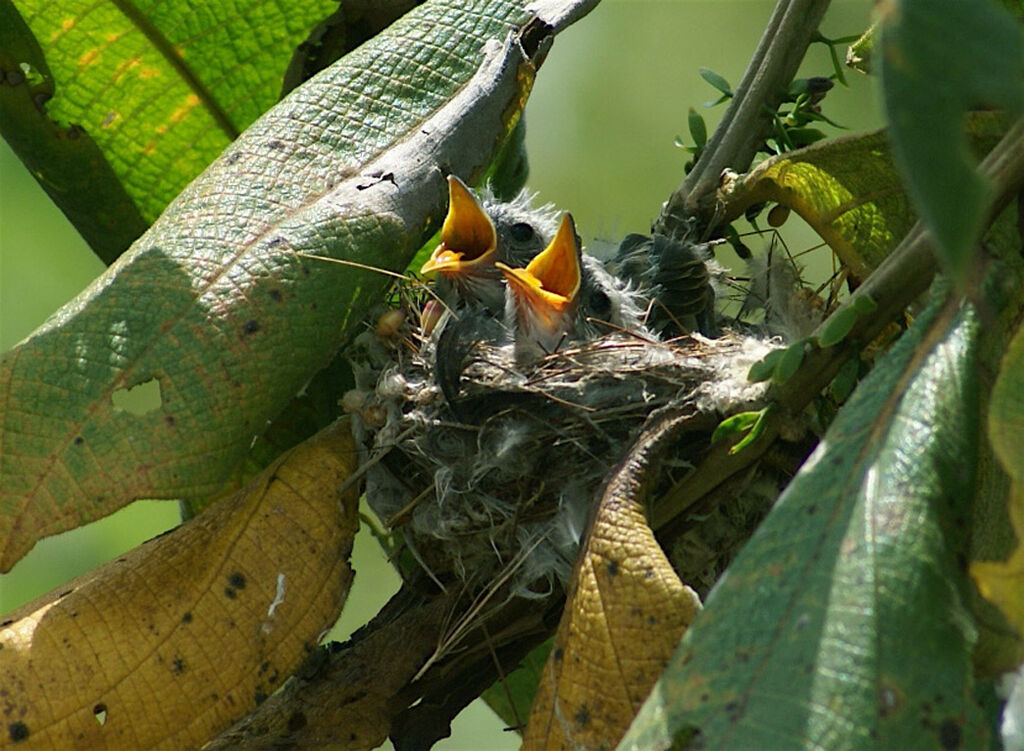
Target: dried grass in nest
(505, 476)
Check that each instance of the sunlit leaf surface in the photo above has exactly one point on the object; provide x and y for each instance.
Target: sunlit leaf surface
(167, 645)
(843, 624)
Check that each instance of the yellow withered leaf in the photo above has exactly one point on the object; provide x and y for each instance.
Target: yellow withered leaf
(1002, 582)
(168, 645)
(626, 611)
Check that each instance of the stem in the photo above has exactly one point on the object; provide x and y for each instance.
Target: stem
(748, 119)
(897, 282)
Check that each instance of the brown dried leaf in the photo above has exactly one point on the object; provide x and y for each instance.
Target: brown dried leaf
(626, 612)
(166, 646)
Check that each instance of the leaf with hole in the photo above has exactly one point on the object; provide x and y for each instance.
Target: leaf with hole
(220, 304)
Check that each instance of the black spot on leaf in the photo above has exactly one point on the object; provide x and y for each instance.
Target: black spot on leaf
(950, 734)
(18, 731)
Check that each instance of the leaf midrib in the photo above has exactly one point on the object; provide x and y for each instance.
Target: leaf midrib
(166, 49)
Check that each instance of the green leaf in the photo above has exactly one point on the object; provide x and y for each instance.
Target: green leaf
(939, 59)
(789, 363)
(215, 305)
(511, 167)
(818, 636)
(755, 432)
(763, 369)
(838, 325)
(152, 93)
(69, 165)
(738, 423)
(698, 129)
(1002, 582)
(864, 304)
(842, 385)
(848, 189)
(350, 25)
(512, 696)
(716, 80)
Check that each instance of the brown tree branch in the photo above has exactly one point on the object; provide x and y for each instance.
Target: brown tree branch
(897, 282)
(747, 120)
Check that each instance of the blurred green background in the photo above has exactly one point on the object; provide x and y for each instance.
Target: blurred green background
(607, 105)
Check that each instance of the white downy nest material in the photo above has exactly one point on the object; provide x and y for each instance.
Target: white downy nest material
(502, 481)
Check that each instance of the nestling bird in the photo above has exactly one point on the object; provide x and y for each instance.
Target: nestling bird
(563, 295)
(674, 276)
(543, 362)
(475, 235)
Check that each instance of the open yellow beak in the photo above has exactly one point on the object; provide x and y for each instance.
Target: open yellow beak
(468, 237)
(550, 283)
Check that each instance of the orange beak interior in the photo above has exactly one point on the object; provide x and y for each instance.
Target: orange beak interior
(550, 283)
(468, 237)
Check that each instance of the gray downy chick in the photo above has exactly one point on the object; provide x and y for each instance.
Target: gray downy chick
(674, 275)
(564, 295)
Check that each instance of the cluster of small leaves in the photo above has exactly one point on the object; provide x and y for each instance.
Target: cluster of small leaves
(791, 127)
(800, 106)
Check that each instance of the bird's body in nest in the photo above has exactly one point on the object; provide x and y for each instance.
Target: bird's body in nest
(496, 428)
(515, 469)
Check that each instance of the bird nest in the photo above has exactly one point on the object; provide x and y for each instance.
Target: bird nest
(499, 480)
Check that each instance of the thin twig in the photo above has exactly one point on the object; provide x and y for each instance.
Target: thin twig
(897, 282)
(735, 141)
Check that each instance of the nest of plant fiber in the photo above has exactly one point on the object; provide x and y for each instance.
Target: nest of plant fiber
(498, 481)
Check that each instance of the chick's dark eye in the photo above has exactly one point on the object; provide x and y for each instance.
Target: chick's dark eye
(599, 302)
(521, 232)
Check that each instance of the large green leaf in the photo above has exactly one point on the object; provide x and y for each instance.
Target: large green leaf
(939, 59)
(213, 309)
(848, 189)
(136, 99)
(842, 624)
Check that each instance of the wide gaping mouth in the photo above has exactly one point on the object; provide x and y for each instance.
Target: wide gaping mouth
(468, 237)
(549, 285)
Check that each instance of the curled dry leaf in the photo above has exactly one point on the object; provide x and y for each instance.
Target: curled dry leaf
(626, 611)
(166, 646)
